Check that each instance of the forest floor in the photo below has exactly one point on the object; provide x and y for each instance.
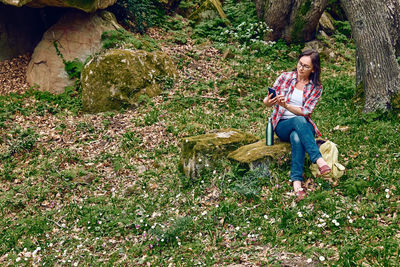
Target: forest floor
(90, 189)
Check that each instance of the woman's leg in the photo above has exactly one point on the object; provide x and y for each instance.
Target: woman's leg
(300, 133)
(306, 134)
(298, 156)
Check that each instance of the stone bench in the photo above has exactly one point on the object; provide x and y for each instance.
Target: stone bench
(259, 154)
(205, 151)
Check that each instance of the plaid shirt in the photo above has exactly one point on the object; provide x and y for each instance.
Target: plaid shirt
(284, 85)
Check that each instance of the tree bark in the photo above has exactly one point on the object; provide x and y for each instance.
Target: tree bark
(292, 20)
(377, 67)
(392, 17)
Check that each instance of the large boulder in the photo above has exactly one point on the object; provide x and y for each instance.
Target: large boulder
(116, 78)
(78, 35)
(205, 151)
(87, 5)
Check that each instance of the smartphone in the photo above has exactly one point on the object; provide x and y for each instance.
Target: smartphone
(272, 91)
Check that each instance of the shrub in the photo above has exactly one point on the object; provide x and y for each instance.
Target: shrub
(343, 27)
(138, 15)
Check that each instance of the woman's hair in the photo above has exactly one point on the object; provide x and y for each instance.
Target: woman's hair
(314, 76)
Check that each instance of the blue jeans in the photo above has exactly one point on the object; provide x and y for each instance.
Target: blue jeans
(300, 133)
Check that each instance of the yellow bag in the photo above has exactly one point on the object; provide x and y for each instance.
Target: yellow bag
(330, 154)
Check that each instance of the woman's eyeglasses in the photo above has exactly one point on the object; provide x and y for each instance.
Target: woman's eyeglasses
(300, 65)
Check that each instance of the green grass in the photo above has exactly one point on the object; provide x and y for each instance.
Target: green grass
(105, 189)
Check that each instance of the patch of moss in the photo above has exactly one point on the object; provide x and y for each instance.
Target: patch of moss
(123, 39)
(258, 151)
(117, 78)
(86, 5)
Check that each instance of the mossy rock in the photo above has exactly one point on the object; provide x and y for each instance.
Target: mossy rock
(205, 151)
(85, 5)
(259, 153)
(116, 78)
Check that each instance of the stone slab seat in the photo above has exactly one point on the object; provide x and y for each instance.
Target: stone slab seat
(205, 151)
(259, 154)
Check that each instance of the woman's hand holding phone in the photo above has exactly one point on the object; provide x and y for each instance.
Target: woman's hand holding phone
(271, 98)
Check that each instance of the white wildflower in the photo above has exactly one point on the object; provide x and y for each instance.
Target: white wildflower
(321, 258)
(309, 260)
(299, 214)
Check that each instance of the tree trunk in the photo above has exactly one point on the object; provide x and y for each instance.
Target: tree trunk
(392, 17)
(377, 67)
(292, 20)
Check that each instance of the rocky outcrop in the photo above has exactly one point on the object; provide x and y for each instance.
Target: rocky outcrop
(205, 151)
(87, 6)
(78, 35)
(118, 77)
(326, 23)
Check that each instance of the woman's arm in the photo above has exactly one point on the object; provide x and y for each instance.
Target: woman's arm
(308, 106)
(295, 110)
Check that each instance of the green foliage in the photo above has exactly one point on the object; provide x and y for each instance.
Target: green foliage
(21, 141)
(70, 100)
(138, 15)
(130, 141)
(105, 189)
(250, 183)
(151, 117)
(238, 12)
(73, 68)
(343, 27)
(210, 29)
(123, 39)
(248, 34)
(172, 234)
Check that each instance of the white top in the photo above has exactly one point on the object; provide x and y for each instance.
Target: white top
(295, 100)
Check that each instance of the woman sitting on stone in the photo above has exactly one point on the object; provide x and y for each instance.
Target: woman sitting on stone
(298, 93)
